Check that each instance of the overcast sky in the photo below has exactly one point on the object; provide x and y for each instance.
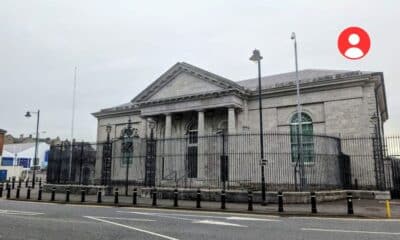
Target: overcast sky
(120, 47)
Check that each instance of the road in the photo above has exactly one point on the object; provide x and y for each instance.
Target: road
(43, 221)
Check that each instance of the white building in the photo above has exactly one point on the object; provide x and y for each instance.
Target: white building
(22, 154)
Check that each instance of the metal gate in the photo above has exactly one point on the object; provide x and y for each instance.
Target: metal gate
(395, 190)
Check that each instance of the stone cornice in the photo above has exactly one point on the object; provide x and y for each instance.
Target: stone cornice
(182, 98)
(116, 112)
(318, 84)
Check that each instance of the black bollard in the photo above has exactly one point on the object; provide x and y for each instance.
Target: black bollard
(82, 195)
(53, 194)
(116, 196)
(223, 200)
(350, 203)
(13, 183)
(280, 201)
(8, 192)
(99, 196)
(250, 200)
(154, 193)
(28, 193)
(175, 197)
(40, 194)
(134, 196)
(67, 193)
(26, 183)
(1, 190)
(313, 203)
(17, 193)
(198, 199)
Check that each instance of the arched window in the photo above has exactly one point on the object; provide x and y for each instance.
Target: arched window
(306, 137)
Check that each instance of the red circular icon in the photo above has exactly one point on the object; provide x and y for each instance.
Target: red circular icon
(354, 43)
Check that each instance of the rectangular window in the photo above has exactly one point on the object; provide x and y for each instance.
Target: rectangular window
(193, 137)
(192, 162)
(127, 152)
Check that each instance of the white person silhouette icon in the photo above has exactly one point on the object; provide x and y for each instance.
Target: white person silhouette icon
(354, 52)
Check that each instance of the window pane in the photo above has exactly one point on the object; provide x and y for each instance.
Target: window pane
(306, 138)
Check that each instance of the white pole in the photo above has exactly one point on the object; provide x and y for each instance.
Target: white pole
(72, 123)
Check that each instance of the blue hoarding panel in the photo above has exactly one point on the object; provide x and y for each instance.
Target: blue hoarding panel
(24, 162)
(3, 175)
(7, 161)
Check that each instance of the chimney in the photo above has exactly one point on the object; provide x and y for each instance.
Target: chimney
(2, 133)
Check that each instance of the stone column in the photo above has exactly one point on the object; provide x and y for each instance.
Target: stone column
(144, 127)
(200, 123)
(201, 160)
(245, 116)
(168, 161)
(168, 125)
(231, 121)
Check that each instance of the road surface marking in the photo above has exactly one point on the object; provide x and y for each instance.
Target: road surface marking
(348, 231)
(195, 218)
(252, 219)
(24, 213)
(171, 215)
(218, 223)
(133, 228)
(128, 219)
(349, 219)
(201, 212)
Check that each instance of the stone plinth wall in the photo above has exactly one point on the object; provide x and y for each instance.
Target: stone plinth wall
(74, 189)
(241, 196)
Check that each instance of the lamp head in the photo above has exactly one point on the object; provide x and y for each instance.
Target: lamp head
(256, 56)
(293, 36)
(28, 114)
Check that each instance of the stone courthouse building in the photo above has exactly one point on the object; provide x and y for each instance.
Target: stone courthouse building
(189, 101)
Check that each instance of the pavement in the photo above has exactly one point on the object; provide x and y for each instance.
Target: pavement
(44, 221)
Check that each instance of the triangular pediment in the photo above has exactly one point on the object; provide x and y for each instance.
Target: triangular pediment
(185, 84)
(182, 80)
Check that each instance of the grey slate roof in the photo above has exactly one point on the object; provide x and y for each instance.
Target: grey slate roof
(304, 76)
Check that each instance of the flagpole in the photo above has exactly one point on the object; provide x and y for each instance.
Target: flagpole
(72, 123)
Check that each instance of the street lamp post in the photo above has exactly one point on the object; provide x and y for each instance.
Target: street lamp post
(256, 57)
(300, 158)
(28, 114)
(151, 158)
(106, 173)
(127, 150)
(223, 161)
